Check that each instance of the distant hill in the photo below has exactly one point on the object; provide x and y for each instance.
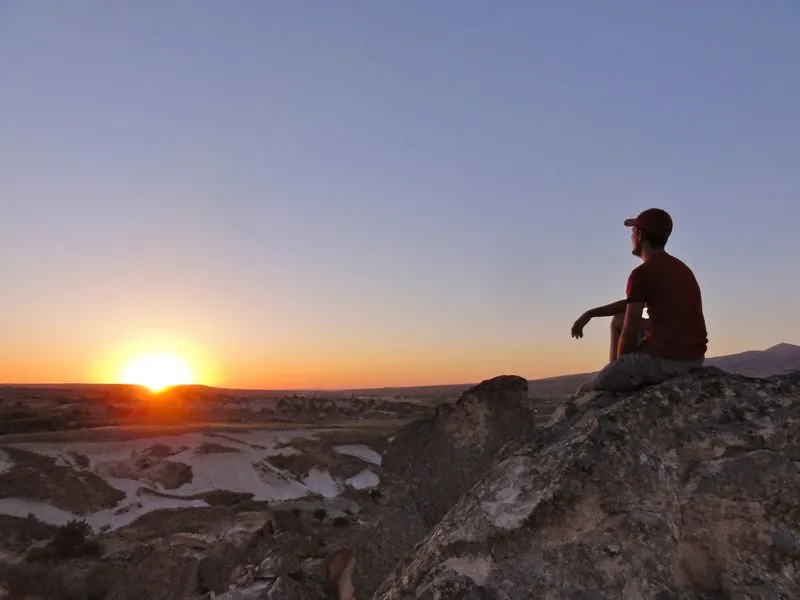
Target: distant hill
(781, 358)
(777, 359)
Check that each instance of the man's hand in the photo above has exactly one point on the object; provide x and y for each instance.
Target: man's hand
(577, 327)
(609, 310)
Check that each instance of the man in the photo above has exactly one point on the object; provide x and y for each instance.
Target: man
(674, 339)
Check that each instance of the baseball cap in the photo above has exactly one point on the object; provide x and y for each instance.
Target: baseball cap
(655, 221)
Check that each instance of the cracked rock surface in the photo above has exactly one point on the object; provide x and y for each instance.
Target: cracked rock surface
(687, 490)
(442, 456)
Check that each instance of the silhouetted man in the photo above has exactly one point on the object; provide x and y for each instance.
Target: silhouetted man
(674, 339)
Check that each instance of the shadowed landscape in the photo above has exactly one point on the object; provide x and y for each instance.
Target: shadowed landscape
(186, 493)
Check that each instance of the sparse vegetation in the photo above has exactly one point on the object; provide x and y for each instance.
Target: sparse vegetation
(19, 533)
(81, 460)
(39, 477)
(75, 480)
(224, 497)
(71, 540)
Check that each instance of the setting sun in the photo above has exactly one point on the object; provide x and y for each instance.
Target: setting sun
(158, 372)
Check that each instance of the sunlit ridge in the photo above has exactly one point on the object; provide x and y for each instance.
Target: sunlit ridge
(158, 372)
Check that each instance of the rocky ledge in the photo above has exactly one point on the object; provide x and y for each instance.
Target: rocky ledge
(687, 490)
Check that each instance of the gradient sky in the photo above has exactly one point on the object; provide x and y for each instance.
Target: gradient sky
(336, 194)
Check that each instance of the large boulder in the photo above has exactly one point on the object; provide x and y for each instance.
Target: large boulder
(441, 457)
(148, 572)
(686, 490)
(393, 533)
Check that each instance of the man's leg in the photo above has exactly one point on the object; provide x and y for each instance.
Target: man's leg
(617, 321)
(628, 372)
(586, 386)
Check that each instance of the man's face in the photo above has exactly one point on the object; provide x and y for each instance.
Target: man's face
(636, 241)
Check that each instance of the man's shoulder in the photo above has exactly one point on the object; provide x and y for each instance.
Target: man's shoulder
(673, 263)
(665, 262)
(641, 269)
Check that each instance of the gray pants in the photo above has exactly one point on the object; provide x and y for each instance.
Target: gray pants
(637, 369)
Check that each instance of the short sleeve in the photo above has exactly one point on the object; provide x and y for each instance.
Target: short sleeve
(638, 288)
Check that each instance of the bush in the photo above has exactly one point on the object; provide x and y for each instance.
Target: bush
(341, 521)
(320, 514)
(71, 540)
(81, 460)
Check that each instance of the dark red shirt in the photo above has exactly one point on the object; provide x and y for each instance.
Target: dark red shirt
(672, 296)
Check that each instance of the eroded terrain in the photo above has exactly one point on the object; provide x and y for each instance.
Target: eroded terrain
(201, 488)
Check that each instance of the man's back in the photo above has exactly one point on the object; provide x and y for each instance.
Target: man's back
(674, 303)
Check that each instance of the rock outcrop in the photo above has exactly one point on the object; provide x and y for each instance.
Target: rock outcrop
(441, 457)
(687, 490)
(392, 536)
(151, 466)
(339, 566)
(432, 462)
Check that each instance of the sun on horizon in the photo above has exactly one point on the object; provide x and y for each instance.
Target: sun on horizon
(158, 371)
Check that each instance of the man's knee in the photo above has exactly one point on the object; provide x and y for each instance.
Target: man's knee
(629, 372)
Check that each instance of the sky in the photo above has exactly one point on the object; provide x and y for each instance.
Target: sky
(344, 194)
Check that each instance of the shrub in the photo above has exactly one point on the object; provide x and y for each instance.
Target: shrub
(71, 540)
(81, 460)
(320, 514)
(341, 521)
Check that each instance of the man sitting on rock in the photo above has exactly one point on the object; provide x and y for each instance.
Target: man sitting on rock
(673, 340)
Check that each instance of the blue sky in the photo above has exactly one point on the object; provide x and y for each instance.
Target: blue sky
(352, 193)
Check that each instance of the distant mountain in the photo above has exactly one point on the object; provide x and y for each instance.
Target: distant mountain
(777, 359)
(781, 358)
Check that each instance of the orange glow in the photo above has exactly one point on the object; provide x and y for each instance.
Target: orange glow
(158, 371)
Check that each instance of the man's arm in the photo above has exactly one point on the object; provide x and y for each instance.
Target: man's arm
(629, 338)
(609, 310)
